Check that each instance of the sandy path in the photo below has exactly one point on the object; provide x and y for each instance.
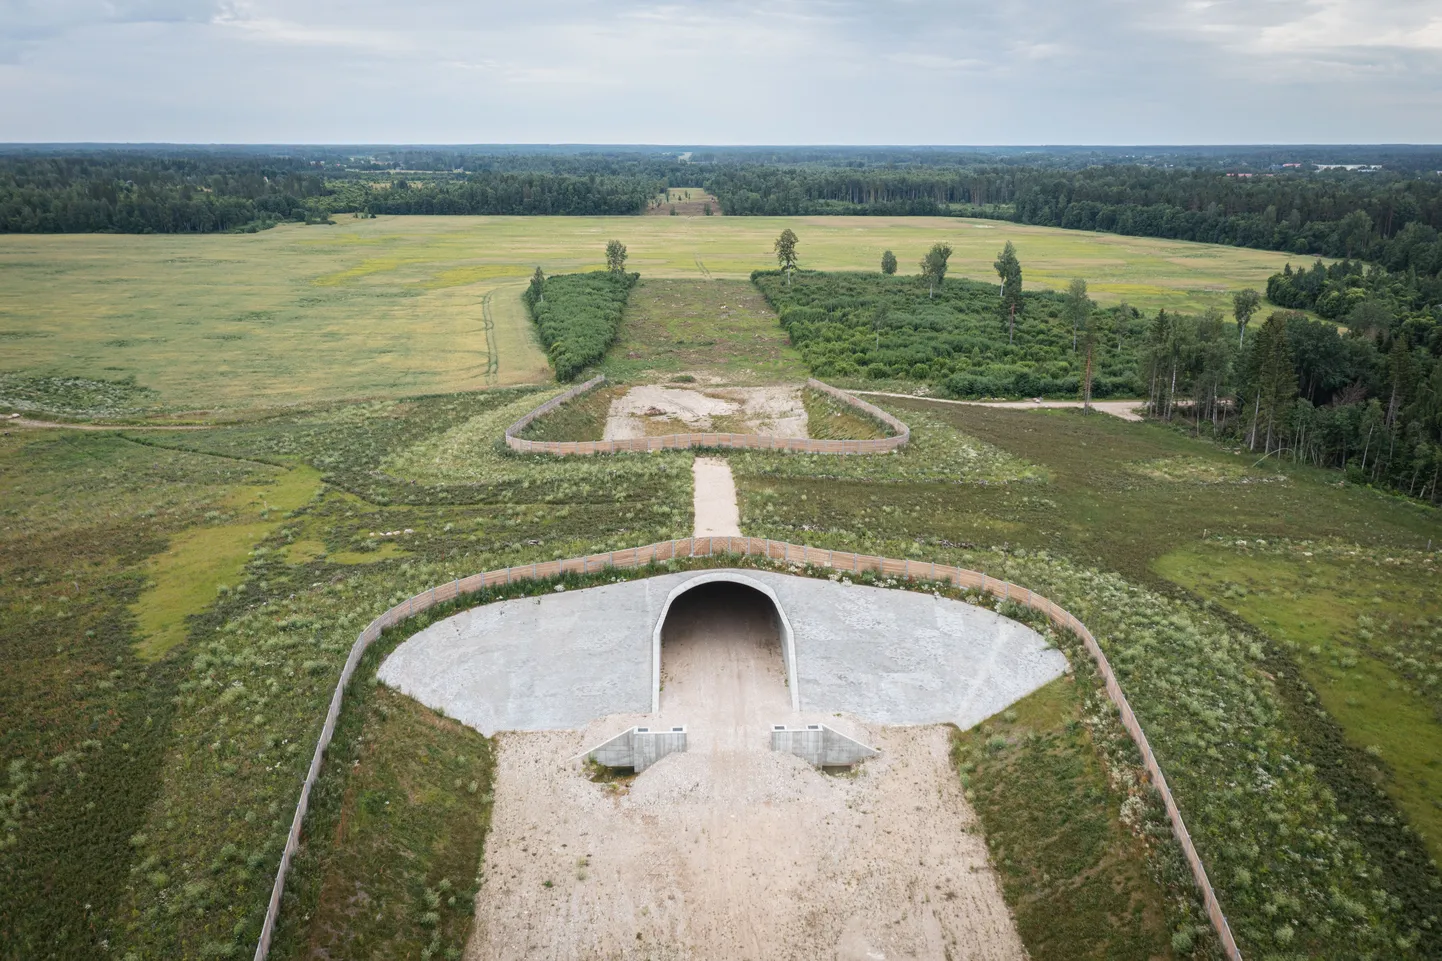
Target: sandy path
(1125, 409)
(717, 514)
(731, 851)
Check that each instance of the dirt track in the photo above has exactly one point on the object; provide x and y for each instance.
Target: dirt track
(1125, 409)
(714, 498)
(731, 851)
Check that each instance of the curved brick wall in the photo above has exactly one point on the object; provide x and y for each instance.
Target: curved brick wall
(774, 550)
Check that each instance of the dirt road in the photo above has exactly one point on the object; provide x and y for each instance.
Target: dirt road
(1125, 409)
(714, 498)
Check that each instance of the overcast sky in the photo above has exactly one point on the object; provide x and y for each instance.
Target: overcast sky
(722, 71)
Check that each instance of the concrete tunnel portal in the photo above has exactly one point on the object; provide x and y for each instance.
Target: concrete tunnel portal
(563, 659)
(723, 637)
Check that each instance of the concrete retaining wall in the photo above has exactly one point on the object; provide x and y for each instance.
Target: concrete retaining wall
(776, 551)
(819, 745)
(640, 747)
(800, 445)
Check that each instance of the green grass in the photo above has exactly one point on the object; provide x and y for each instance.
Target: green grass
(1363, 627)
(1075, 875)
(828, 418)
(395, 306)
(581, 419)
(159, 792)
(87, 722)
(185, 578)
(718, 331)
(397, 833)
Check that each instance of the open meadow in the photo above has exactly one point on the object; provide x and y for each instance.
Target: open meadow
(397, 306)
(179, 603)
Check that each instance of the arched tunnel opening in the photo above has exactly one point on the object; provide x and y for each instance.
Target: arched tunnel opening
(724, 663)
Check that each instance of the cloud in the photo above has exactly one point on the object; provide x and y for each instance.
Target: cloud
(722, 71)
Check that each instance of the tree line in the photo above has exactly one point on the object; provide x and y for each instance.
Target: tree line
(1300, 389)
(577, 316)
(127, 193)
(122, 192)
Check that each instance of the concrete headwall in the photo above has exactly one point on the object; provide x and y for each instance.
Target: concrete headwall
(819, 745)
(639, 747)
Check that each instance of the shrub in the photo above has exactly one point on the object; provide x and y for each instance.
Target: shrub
(577, 316)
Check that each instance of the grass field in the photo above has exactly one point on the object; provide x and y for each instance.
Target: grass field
(714, 330)
(177, 605)
(1364, 627)
(396, 306)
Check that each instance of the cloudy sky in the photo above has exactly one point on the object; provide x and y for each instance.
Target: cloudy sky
(722, 71)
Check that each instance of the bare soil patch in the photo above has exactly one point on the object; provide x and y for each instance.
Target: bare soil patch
(649, 410)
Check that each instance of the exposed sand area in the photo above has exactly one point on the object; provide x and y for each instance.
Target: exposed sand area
(649, 409)
(731, 851)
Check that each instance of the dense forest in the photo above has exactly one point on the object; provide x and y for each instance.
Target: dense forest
(126, 192)
(1367, 402)
(130, 193)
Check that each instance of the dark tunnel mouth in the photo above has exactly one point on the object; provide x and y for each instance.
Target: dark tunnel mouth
(707, 587)
(731, 597)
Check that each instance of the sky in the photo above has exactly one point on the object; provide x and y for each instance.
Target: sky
(722, 71)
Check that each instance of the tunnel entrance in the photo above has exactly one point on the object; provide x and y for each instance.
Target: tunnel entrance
(724, 655)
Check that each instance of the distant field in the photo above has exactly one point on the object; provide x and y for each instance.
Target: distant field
(394, 306)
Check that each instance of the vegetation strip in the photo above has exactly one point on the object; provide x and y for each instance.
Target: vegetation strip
(709, 546)
(805, 445)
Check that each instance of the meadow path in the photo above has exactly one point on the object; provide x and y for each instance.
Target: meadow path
(1125, 409)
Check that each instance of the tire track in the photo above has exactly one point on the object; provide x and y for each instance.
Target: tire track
(493, 357)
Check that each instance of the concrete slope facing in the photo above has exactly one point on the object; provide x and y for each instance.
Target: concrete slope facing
(884, 656)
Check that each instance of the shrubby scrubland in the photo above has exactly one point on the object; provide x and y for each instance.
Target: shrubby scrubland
(875, 326)
(578, 316)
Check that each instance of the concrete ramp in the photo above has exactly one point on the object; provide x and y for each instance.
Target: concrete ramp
(639, 747)
(819, 745)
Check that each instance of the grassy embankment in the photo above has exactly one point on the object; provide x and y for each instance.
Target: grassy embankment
(1363, 627)
(147, 798)
(395, 306)
(1309, 856)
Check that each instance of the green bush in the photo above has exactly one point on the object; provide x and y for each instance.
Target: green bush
(880, 327)
(578, 315)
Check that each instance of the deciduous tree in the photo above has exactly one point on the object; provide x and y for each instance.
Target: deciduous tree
(616, 257)
(786, 252)
(888, 263)
(1077, 307)
(1008, 268)
(1244, 305)
(933, 266)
